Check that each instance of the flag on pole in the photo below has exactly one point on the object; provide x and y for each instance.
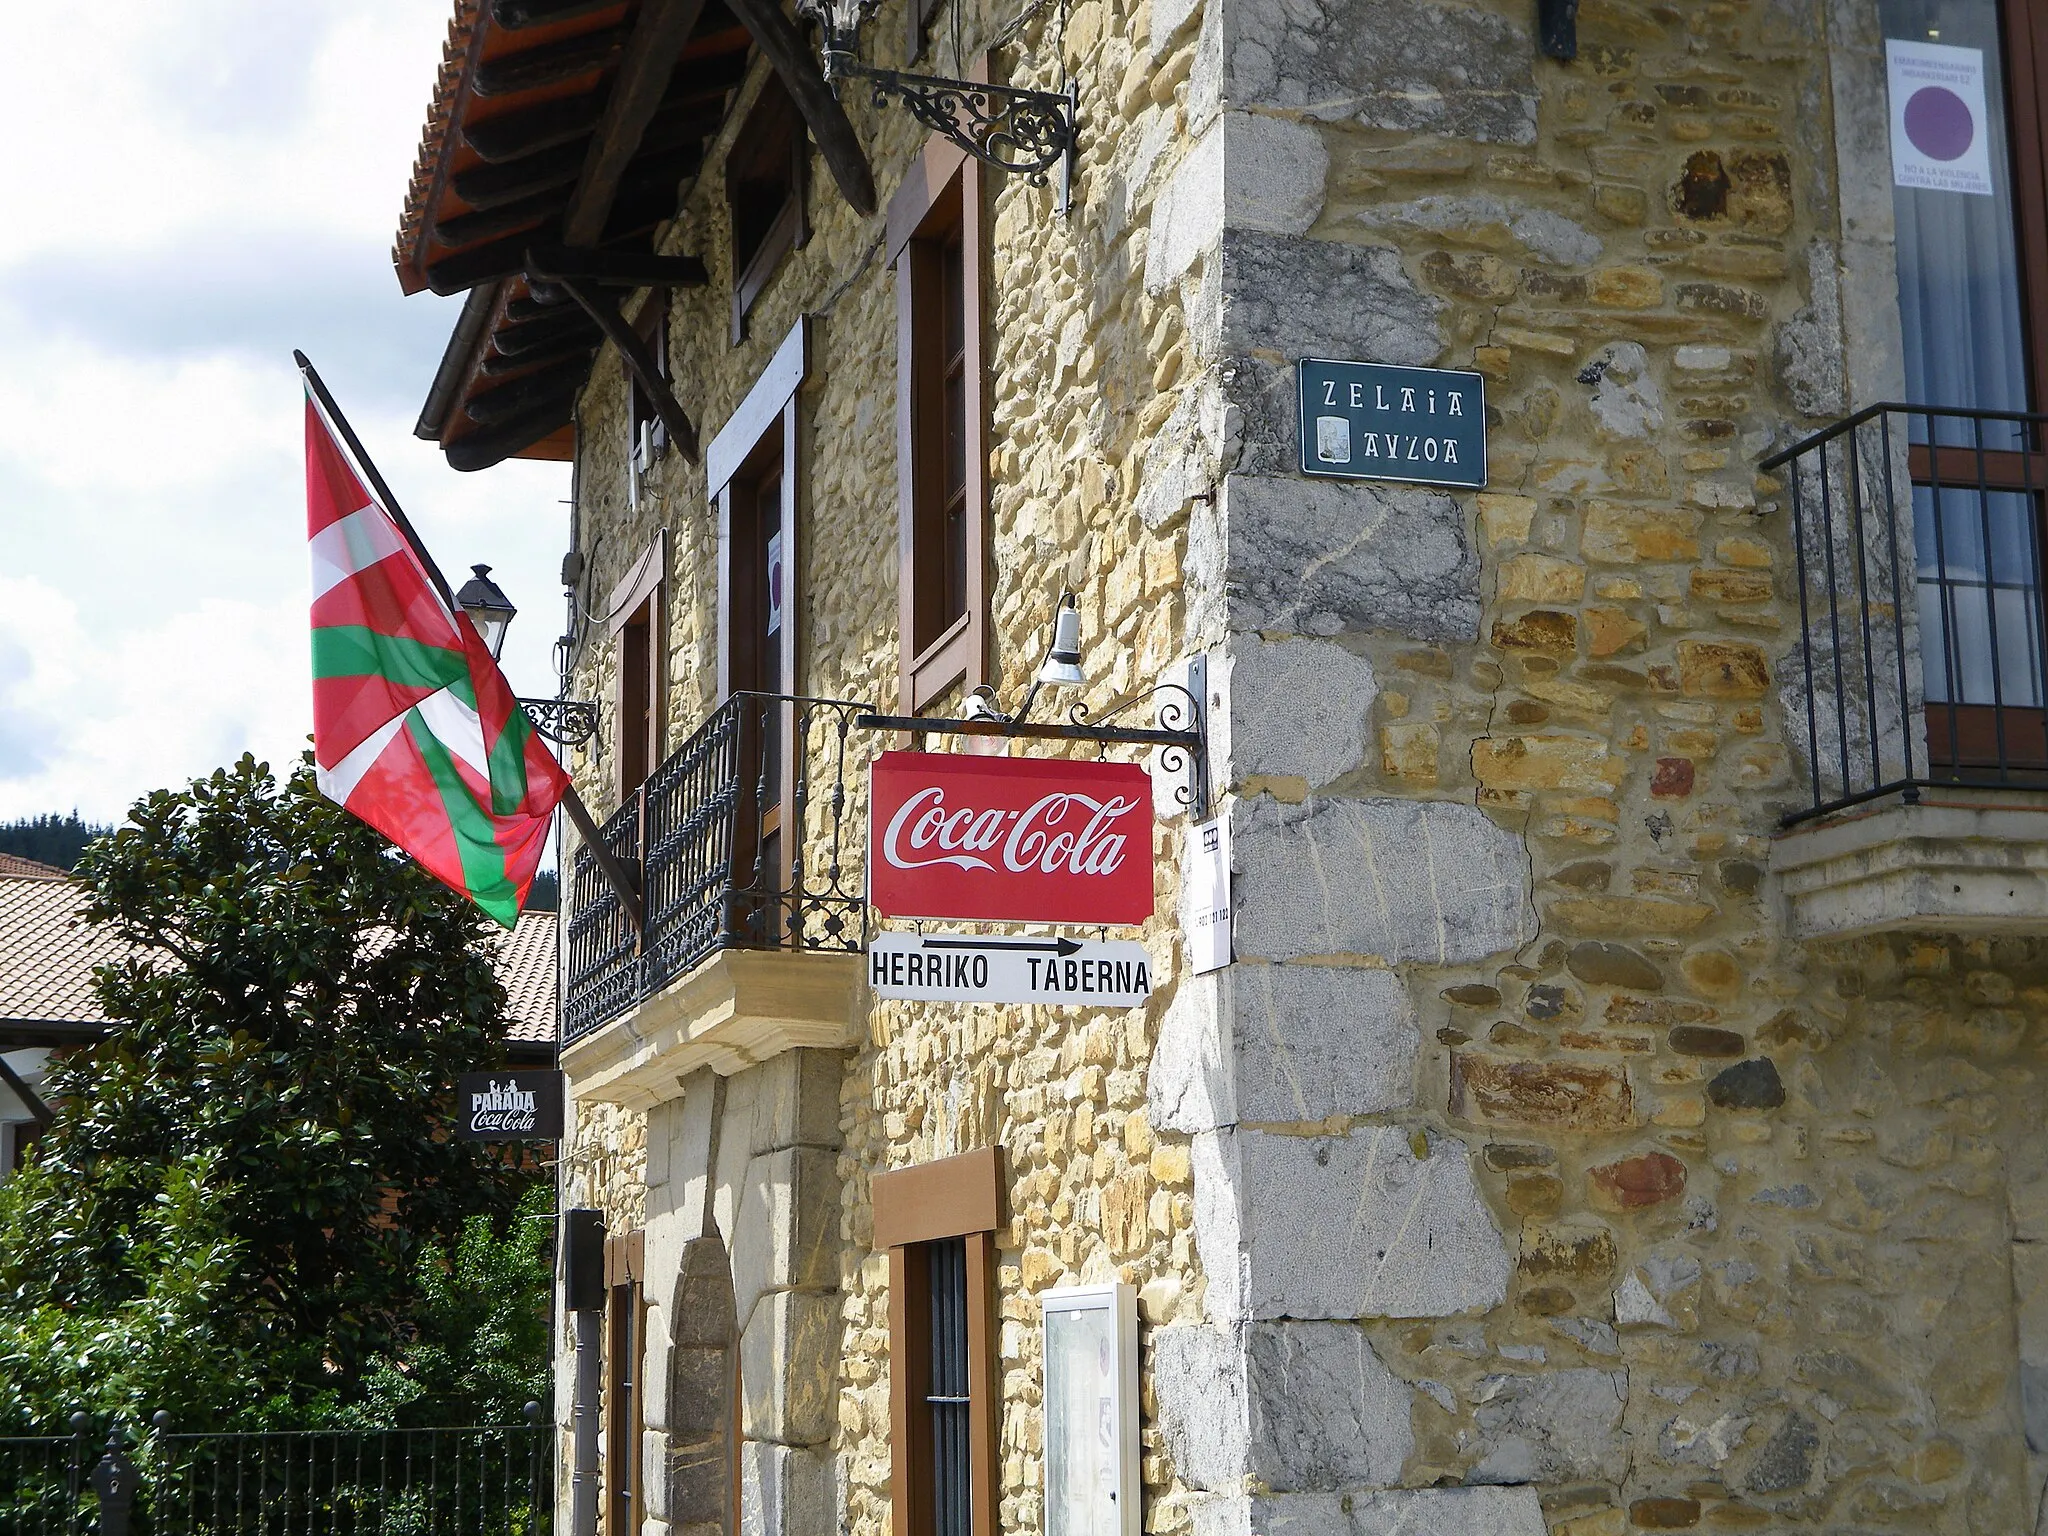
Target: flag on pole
(415, 730)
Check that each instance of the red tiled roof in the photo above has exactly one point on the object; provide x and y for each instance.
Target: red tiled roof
(48, 951)
(13, 864)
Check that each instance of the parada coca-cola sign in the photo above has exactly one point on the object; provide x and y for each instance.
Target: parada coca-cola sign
(1010, 839)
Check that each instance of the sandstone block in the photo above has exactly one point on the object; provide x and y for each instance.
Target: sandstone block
(1610, 631)
(1651, 1178)
(1536, 578)
(1569, 1251)
(1541, 629)
(1614, 534)
(1722, 670)
(1402, 880)
(1554, 1095)
(1351, 1226)
(1545, 762)
(1505, 519)
(1295, 708)
(1276, 1043)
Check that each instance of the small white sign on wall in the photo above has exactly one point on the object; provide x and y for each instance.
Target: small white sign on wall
(1205, 867)
(1091, 1411)
(1941, 136)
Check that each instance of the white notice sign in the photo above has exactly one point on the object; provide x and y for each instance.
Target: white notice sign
(954, 968)
(1205, 866)
(1940, 134)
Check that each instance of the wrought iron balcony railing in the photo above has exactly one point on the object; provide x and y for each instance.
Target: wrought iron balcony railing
(739, 843)
(1918, 537)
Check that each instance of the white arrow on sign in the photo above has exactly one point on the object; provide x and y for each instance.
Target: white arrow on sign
(1096, 973)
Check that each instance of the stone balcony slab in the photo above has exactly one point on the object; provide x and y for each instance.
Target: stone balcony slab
(1960, 861)
(736, 1009)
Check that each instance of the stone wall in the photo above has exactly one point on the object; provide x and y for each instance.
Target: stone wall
(1520, 1175)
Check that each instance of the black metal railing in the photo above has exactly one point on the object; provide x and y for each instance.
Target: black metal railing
(1918, 538)
(739, 840)
(490, 1480)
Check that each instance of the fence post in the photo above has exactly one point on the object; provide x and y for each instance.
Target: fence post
(534, 1440)
(114, 1481)
(74, 1473)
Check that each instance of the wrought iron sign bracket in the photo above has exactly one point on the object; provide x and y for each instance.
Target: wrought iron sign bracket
(565, 722)
(1183, 732)
(1021, 131)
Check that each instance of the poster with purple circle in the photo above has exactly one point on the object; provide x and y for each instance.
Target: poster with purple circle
(1941, 140)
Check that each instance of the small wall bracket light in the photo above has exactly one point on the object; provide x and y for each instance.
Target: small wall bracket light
(1024, 132)
(566, 722)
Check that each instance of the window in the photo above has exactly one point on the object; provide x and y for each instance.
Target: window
(938, 1223)
(765, 187)
(935, 236)
(648, 433)
(637, 628)
(1972, 239)
(624, 1410)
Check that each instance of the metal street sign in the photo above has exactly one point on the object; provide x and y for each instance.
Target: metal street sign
(1374, 421)
(951, 968)
(509, 1105)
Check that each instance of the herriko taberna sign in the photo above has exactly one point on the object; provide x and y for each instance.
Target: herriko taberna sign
(1010, 839)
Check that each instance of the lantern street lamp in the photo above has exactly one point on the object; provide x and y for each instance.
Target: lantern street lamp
(567, 722)
(1023, 131)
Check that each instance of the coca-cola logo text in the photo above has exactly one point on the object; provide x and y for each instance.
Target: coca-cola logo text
(1041, 837)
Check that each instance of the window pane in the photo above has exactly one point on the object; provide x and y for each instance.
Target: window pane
(1980, 599)
(947, 1395)
(1958, 257)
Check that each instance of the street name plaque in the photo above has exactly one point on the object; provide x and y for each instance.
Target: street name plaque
(1375, 421)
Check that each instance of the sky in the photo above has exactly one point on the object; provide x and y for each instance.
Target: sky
(194, 188)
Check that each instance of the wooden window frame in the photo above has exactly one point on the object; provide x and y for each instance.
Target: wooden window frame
(763, 436)
(638, 617)
(625, 1394)
(942, 192)
(956, 1197)
(772, 114)
(642, 416)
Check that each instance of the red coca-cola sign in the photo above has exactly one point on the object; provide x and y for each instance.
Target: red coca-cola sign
(1010, 839)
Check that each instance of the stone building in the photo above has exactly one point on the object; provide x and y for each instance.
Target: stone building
(1622, 1110)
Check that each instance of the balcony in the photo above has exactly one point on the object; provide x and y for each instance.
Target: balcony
(755, 921)
(1915, 691)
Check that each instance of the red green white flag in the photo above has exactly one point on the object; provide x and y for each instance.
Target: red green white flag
(415, 729)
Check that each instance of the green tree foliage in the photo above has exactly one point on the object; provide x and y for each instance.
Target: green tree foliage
(257, 1135)
(49, 839)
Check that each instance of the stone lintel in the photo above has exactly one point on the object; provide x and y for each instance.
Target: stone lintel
(738, 1008)
(1960, 861)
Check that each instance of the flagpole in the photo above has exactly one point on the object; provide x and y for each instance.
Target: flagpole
(364, 463)
(586, 826)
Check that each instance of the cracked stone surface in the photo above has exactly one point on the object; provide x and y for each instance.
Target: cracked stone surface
(1403, 880)
(1295, 708)
(1273, 1043)
(1484, 221)
(1552, 1427)
(1322, 556)
(1301, 297)
(1352, 1226)
(1385, 64)
(1399, 1512)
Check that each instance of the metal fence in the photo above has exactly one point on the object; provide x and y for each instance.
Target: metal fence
(1917, 533)
(739, 841)
(488, 1480)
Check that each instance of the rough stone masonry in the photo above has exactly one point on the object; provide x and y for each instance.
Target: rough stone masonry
(1521, 1175)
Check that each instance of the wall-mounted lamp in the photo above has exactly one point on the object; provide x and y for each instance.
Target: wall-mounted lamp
(569, 722)
(1028, 132)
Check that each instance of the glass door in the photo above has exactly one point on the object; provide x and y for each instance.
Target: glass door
(1966, 169)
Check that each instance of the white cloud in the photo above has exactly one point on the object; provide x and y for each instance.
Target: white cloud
(205, 186)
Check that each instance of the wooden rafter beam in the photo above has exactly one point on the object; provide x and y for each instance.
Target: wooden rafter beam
(517, 15)
(615, 269)
(493, 445)
(549, 64)
(639, 361)
(514, 135)
(793, 60)
(527, 393)
(646, 66)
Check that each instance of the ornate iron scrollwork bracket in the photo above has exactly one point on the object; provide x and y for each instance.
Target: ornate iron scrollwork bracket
(1016, 130)
(566, 722)
(1182, 733)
